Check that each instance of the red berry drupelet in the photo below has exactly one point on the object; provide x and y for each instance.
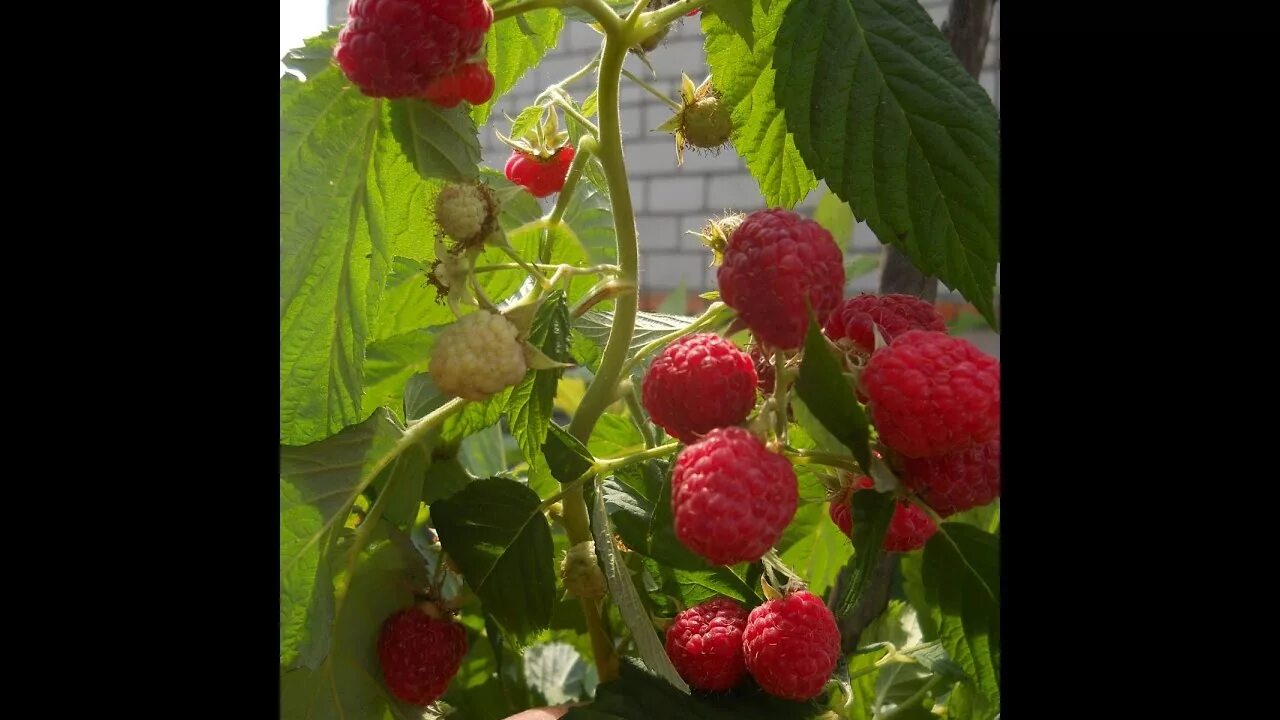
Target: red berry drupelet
(541, 177)
(395, 48)
(853, 322)
(773, 262)
(420, 654)
(909, 529)
(791, 646)
(957, 481)
(705, 644)
(699, 383)
(471, 82)
(730, 497)
(931, 394)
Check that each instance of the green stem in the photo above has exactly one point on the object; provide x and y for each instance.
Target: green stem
(601, 391)
(598, 9)
(560, 269)
(527, 267)
(780, 394)
(652, 90)
(568, 108)
(670, 13)
(636, 408)
(595, 62)
(909, 702)
(604, 465)
(817, 457)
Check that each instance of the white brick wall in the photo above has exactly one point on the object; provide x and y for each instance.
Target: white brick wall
(671, 200)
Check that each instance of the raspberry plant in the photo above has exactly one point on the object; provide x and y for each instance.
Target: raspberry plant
(479, 514)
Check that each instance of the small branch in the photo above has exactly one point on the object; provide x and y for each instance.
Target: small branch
(801, 456)
(564, 104)
(652, 90)
(610, 464)
(636, 410)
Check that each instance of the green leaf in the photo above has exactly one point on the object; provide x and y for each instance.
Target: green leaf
(348, 684)
(639, 695)
(615, 436)
(827, 394)
(343, 198)
(408, 302)
(837, 217)
(421, 396)
(512, 50)
(691, 587)
(871, 514)
(318, 484)
(595, 326)
(627, 600)
(591, 104)
(558, 673)
(315, 55)
(565, 454)
(814, 547)
(441, 143)
(962, 579)
(742, 70)
(495, 532)
(737, 15)
(643, 518)
(483, 453)
(390, 362)
(881, 109)
(527, 120)
(444, 478)
(532, 400)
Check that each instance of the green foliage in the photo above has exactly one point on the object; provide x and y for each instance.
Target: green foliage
(743, 69)
(495, 532)
(962, 580)
(881, 109)
(381, 475)
(828, 395)
(529, 409)
(638, 695)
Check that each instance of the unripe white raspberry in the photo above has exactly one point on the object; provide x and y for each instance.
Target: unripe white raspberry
(477, 356)
(466, 212)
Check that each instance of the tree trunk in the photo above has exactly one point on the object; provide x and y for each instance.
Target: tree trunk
(968, 27)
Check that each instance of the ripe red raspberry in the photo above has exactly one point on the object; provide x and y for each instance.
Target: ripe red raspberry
(909, 529)
(932, 394)
(957, 481)
(541, 177)
(774, 261)
(852, 322)
(730, 497)
(699, 383)
(471, 82)
(705, 644)
(420, 654)
(395, 48)
(791, 646)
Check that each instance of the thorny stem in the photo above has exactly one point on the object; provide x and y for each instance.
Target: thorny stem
(670, 13)
(652, 90)
(608, 19)
(592, 65)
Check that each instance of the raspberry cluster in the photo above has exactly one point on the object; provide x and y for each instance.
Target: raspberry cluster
(790, 645)
(402, 48)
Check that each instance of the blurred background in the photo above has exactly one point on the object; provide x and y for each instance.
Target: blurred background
(671, 200)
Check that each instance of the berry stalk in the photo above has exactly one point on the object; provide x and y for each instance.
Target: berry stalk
(603, 388)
